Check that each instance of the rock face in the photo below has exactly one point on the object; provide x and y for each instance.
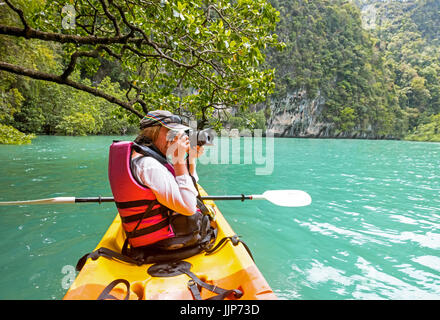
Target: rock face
(297, 115)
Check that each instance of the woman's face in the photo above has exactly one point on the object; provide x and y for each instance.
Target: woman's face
(162, 142)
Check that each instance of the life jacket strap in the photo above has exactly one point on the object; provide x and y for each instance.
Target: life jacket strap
(137, 233)
(136, 217)
(147, 213)
(132, 204)
(149, 152)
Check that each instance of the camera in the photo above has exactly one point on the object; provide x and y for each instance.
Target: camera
(200, 138)
(204, 137)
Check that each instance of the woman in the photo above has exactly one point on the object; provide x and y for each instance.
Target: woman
(177, 193)
(156, 199)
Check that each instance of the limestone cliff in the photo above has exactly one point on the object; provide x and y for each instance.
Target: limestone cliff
(297, 115)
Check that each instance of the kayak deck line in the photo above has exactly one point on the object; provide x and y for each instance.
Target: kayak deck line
(228, 267)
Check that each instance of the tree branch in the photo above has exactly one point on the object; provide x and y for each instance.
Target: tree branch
(213, 82)
(67, 38)
(111, 17)
(74, 57)
(20, 14)
(35, 74)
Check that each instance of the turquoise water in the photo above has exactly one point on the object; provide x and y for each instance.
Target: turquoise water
(372, 231)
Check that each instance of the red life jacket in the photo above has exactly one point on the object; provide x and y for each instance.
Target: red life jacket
(144, 219)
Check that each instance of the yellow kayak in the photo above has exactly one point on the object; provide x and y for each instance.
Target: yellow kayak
(229, 267)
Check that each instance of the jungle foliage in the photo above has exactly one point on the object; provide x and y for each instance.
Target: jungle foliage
(95, 59)
(96, 66)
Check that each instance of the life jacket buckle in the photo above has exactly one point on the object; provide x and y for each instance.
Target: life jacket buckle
(211, 212)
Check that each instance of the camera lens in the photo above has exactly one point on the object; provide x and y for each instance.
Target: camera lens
(205, 137)
(200, 138)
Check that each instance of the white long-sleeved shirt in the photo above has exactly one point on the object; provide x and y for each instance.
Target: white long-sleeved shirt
(178, 194)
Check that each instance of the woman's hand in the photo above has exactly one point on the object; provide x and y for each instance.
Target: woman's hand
(200, 151)
(179, 147)
(195, 152)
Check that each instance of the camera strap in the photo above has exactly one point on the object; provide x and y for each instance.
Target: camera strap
(200, 203)
(150, 152)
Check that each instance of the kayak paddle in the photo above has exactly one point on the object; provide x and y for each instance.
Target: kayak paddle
(284, 198)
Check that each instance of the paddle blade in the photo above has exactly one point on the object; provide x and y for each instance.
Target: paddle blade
(58, 200)
(288, 198)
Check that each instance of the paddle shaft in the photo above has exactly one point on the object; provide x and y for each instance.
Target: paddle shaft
(95, 199)
(111, 199)
(283, 198)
